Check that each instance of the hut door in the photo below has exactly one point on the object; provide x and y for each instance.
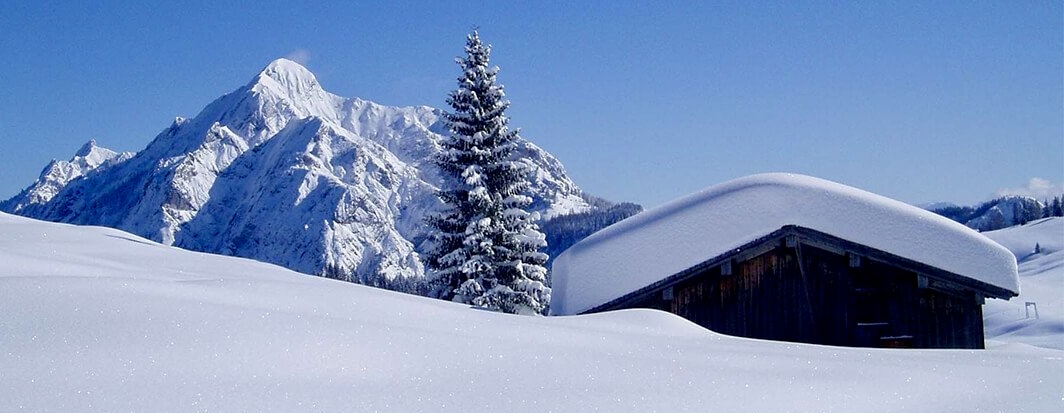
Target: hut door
(871, 310)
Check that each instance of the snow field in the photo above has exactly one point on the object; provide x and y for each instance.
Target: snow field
(1042, 278)
(94, 319)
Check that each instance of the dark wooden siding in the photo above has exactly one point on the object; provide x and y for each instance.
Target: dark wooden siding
(949, 321)
(816, 293)
(771, 297)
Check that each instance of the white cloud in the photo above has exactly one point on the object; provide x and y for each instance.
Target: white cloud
(301, 56)
(1037, 188)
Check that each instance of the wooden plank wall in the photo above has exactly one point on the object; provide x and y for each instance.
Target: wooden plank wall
(949, 321)
(822, 301)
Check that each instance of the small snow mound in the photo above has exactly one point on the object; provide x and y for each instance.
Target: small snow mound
(641, 321)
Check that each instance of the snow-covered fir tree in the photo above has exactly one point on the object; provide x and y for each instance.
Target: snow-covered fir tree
(488, 247)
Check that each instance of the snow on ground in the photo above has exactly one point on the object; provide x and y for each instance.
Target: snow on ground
(94, 319)
(659, 243)
(1041, 283)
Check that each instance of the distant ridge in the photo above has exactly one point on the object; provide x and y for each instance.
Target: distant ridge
(995, 214)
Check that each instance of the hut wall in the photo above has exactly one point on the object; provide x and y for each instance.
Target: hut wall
(771, 297)
(819, 292)
(883, 300)
(949, 321)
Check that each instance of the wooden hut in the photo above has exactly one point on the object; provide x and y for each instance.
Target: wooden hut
(794, 258)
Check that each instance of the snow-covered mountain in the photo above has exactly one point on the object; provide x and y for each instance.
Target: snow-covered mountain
(282, 171)
(58, 174)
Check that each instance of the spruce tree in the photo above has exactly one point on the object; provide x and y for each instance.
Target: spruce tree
(487, 244)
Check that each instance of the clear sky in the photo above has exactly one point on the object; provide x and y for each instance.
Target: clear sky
(642, 101)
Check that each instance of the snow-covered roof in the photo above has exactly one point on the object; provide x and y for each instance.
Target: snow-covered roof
(659, 243)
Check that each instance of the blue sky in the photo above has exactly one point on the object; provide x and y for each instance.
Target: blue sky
(642, 101)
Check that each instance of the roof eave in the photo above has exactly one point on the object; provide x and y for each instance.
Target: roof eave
(806, 235)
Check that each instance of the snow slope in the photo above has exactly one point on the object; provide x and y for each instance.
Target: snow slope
(656, 244)
(1042, 281)
(94, 319)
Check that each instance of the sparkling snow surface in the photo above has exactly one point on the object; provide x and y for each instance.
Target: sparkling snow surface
(97, 320)
(651, 246)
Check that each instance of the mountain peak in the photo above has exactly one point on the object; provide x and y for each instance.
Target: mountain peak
(287, 75)
(87, 148)
(282, 67)
(92, 155)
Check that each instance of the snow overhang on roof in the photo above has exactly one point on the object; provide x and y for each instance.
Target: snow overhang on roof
(659, 243)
